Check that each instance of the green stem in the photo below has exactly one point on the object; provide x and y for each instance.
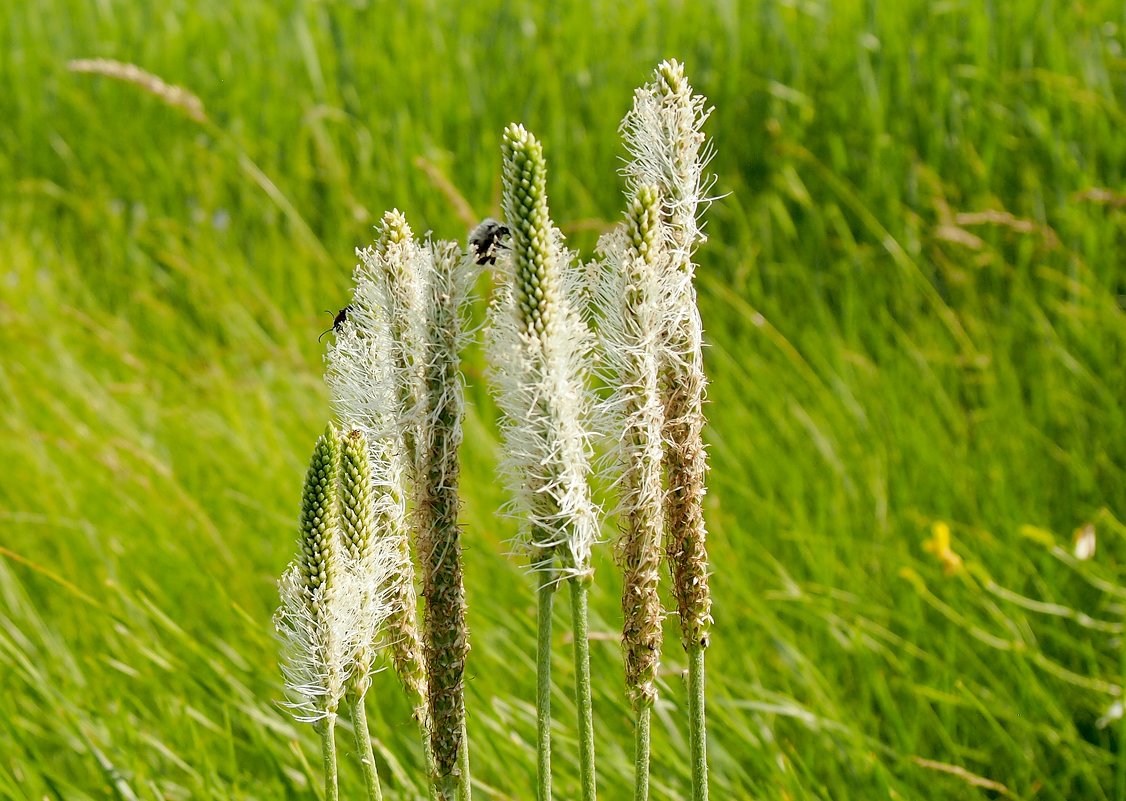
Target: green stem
(363, 745)
(641, 754)
(327, 728)
(465, 783)
(698, 722)
(1120, 778)
(546, 597)
(447, 787)
(427, 751)
(579, 618)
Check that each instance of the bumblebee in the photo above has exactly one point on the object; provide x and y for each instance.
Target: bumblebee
(486, 240)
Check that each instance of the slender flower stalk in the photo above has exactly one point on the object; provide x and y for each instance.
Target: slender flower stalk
(465, 784)
(580, 617)
(540, 348)
(316, 617)
(357, 710)
(632, 312)
(545, 597)
(641, 740)
(445, 631)
(663, 132)
(326, 727)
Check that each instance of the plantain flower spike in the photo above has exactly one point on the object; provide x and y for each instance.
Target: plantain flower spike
(370, 552)
(539, 347)
(631, 309)
(318, 614)
(404, 267)
(365, 380)
(663, 133)
(445, 631)
(668, 149)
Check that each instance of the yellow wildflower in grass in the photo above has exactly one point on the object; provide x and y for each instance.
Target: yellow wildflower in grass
(939, 545)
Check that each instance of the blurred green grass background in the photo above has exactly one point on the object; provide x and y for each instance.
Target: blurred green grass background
(914, 297)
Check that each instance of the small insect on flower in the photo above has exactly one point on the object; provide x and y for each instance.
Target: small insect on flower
(337, 321)
(486, 240)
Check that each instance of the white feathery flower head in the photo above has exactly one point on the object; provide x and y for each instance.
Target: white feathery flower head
(376, 366)
(540, 348)
(631, 296)
(369, 512)
(359, 374)
(404, 268)
(371, 372)
(631, 293)
(448, 281)
(663, 133)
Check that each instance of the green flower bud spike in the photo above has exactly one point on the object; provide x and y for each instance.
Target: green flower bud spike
(371, 559)
(315, 618)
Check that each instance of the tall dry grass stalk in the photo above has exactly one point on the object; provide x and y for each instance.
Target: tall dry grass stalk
(169, 94)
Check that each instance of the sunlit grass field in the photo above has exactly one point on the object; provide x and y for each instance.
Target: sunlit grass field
(914, 297)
